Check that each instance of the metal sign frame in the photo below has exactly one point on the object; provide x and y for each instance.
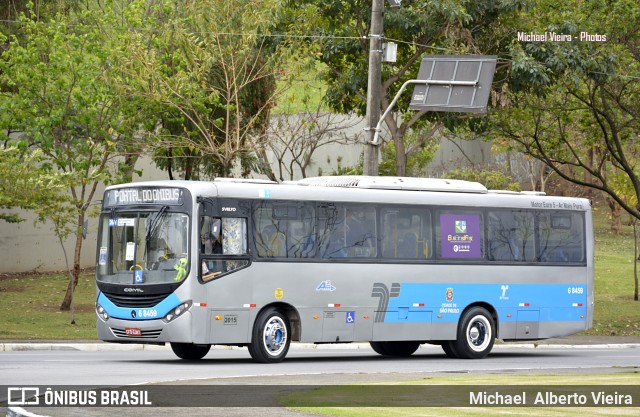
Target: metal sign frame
(454, 83)
(465, 80)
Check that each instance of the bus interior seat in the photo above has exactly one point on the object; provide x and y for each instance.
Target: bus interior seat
(408, 247)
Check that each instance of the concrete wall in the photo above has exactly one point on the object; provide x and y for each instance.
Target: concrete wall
(456, 153)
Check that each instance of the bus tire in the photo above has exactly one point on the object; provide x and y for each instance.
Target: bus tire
(270, 337)
(476, 334)
(189, 351)
(400, 349)
(379, 348)
(449, 347)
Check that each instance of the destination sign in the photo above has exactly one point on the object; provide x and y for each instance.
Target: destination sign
(147, 195)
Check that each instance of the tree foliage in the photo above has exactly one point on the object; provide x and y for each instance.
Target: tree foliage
(574, 105)
(26, 184)
(57, 95)
(419, 27)
(212, 78)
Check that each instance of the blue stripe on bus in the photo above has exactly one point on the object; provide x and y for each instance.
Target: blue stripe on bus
(127, 313)
(547, 302)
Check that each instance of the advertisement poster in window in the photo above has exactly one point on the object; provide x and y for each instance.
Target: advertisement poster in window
(460, 236)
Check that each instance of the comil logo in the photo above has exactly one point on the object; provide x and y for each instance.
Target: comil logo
(23, 396)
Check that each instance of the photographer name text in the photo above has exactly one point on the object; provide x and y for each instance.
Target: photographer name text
(560, 37)
(549, 398)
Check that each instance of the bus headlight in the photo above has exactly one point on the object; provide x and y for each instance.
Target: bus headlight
(102, 313)
(177, 311)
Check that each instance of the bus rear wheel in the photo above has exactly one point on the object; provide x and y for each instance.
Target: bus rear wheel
(270, 337)
(189, 351)
(476, 335)
(395, 348)
(449, 347)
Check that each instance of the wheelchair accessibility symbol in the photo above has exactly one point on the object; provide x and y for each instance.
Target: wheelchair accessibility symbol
(351, 317)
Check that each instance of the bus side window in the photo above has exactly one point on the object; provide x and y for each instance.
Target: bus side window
(234, 236)
(511, 236)
(284, 230)
(330, 238)
(561, 237)
(406, 233)
(360, 232)
(221, 240)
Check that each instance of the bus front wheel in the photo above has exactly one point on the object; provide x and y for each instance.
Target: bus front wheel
(270, 337)
(189, 351)
(476, 335)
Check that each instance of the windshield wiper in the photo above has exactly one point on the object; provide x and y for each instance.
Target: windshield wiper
(153, 223)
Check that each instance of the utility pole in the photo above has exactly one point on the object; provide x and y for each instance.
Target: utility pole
(374, 89)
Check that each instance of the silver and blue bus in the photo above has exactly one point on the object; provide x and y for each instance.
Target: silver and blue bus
(396, 262)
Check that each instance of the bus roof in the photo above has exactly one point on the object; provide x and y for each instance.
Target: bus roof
(393, 183)
(354, 189)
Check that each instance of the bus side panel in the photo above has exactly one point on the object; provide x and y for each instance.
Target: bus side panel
(229, 326)
(404, 331)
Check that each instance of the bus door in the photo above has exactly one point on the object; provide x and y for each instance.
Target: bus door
(223, 254)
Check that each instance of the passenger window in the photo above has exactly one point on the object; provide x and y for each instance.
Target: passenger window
(561, 237)
(406, 233)
(347, 232)
(511, 236)
(284, 230)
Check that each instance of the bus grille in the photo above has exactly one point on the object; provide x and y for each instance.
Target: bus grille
(136, 301)
(146, 334)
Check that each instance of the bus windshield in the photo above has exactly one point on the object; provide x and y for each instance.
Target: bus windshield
(149, 247)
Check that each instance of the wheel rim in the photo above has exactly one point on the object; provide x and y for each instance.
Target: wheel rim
(275, 336)
(479, 333)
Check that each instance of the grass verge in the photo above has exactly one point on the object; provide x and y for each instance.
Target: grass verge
(616, 313)
(30, 307)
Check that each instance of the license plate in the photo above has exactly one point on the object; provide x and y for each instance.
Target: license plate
(132, 331)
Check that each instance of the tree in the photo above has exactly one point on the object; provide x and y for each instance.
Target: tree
(10, 10)
(420, 145)
(418, 27)
(575, 104)
(25, 183)
(580, 115)
(56, 92)
(211, 75)
(295, 138)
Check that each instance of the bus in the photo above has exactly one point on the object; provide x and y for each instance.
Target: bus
(392, 261)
